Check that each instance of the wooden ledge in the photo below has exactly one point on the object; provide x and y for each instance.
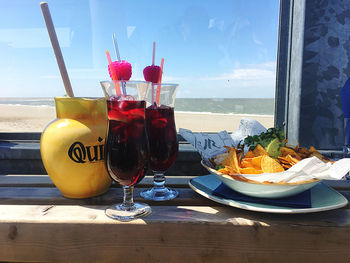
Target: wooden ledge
(171, 234)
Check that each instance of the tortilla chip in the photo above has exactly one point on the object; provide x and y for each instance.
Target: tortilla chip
(232, 160)
(286, 166)
(312, 149)
(270, 165)
(291, 159)
(228, 161)
(250, 170)
(235, 162)
(254, 162)
(319, 156)
(258, 161)
(302, 151)
(282, 159)
(246, 163)
(249, 154)
(288, 151)
(259, 150)
(228, 170)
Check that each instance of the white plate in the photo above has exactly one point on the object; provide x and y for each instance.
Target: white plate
(323, 198)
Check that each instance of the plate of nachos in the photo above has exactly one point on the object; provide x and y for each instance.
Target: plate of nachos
(244, 167)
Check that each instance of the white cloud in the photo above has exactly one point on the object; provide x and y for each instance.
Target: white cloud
(268, 65)
(172, 79)
(50, 77)
(242, 81)
(239, 25)
(34, 37)
(130, 30)
(256, 40)
(221, 25)
(211, 23)
(250, 72)
(84, 73)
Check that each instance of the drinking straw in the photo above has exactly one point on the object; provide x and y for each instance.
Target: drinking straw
(116, 47)
(159, 82)
(56, 48)
(118, 58)
(152, 94)
(154, 53)
(153, 58)
(114, 75)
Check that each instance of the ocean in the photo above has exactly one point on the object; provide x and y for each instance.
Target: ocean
(189, 105)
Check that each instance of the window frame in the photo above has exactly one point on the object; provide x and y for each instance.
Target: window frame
(287, 99)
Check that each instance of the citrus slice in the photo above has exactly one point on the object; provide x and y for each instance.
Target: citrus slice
(274, 148)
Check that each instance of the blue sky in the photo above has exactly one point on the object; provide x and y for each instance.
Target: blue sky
(211, 48)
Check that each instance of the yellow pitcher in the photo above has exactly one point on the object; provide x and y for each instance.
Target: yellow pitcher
(72, 147)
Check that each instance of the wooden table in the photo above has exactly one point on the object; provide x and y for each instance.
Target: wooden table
(37, 224)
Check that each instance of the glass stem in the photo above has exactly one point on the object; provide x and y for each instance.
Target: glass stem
(128, 200)
(159, 180)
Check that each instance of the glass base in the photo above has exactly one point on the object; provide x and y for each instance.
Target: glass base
(122, 213)
(159, 194)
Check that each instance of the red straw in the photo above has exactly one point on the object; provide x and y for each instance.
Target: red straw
(159, 82)
(114, 75)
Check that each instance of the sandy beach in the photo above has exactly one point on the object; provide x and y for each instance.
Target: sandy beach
(34, 119)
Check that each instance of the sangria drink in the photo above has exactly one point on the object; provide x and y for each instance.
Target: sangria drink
(162, 139)
(127, 148)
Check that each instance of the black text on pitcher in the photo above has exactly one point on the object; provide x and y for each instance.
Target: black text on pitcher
(80, 153)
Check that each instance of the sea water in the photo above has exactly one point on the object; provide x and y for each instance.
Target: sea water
(255, 106)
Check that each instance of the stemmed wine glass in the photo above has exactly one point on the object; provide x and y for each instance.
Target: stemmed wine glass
(127, 150)
(162, 137)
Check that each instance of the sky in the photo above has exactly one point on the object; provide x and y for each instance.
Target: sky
(211, 48)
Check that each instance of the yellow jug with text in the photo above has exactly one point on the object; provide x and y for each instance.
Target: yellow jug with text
(72, 147)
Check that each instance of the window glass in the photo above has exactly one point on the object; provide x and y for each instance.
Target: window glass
(221, 53)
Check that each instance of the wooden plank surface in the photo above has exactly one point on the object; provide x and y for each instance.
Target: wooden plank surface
(52, 196)
(39, 189)
(37, 224)
(45, 181)
(171, 234)
(19, 180)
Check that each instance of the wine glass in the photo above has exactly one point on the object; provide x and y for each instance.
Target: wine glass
(127, 150)
(162, 137)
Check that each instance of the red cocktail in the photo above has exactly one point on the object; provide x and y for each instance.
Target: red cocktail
(162, 137)
(127, 150)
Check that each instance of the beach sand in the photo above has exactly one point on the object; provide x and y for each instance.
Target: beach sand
(34, 119)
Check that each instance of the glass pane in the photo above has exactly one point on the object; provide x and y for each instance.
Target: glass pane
(217, 51)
